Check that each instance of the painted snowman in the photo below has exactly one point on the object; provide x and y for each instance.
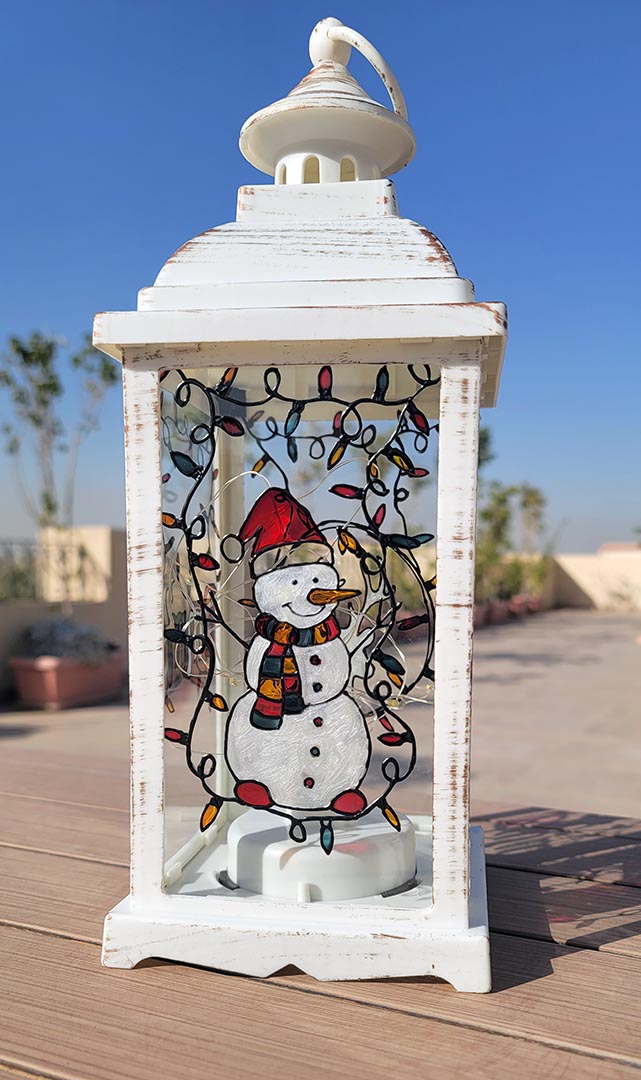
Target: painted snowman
(296, 743)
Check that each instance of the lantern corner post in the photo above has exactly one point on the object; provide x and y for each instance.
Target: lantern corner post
(458, 878)
(146, 629)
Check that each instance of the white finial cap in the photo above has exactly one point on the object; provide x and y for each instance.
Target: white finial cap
(328, 129)
(323, 49)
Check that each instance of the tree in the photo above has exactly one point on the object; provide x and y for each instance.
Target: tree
(531, 507)
(30, 372)
(493, 539)
(486, 451)
(506, 509)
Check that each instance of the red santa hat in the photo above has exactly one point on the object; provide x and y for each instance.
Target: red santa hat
(284, 533)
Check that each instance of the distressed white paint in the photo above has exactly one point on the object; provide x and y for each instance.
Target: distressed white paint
(386, 323)
(447, 937)
(309, 274)
(329, 119)
(348, 940)
(146, 668)
(455, 540)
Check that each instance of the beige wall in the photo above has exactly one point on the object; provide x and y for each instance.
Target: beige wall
(108, 614)
(608, 580)
(75, 564)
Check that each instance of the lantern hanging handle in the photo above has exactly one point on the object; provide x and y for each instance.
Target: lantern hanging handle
(325, 43)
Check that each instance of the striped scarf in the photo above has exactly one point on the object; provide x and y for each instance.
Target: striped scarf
(279, 683)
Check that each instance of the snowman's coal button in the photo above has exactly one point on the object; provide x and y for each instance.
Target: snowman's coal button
(318, 721)
(314, 751)
(308, 782)
(317, 687)
(315, 660)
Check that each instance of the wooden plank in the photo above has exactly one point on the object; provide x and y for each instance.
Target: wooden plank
(580, 825)
(84, 780)
(610, 859)
(46, 892)
(64, 828)
(7, 1073)
(90, 780)
(69, 1019)
(578, 999)
(99, 731)
(585, 914)
(95, 887)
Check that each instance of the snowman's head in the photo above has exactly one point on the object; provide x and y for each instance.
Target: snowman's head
(302, 595)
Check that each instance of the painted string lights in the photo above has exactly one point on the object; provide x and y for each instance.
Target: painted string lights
(364, 681)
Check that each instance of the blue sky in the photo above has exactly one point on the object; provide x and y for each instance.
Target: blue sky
(120, 123)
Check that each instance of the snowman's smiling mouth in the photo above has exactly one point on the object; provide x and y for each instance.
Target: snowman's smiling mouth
(322, 598)
(300, 614)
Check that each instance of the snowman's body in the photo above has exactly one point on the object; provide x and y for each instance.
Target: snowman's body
(333, 754)
(316, 754)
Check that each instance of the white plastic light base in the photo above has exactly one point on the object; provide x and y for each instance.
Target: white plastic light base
(198, 921)
(368, 857)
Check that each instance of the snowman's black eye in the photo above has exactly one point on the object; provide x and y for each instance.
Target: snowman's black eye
(295, 581)
(315, 580)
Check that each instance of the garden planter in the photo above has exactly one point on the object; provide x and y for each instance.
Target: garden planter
(518, 605)
(54, 682)
(498, 612)
(533, 604)
(480, 615)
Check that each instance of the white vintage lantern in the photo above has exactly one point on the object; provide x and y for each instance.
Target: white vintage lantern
(285, 379)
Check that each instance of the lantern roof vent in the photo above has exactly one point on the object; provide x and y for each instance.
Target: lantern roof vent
(328, 128)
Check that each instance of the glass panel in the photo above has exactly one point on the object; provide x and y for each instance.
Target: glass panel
(299, 577)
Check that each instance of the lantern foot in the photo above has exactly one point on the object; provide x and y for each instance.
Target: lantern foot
(394, 935)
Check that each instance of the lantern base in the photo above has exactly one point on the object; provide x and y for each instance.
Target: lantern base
(381, 936)
(368, 858)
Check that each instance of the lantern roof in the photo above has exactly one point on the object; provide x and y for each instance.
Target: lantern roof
(328, 116)
(312, 263)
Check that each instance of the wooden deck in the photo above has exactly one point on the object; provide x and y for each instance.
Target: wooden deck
(565, 905)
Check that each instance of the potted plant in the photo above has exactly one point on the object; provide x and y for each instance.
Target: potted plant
(513, 585)
(484, 579)
(62, 664)
(537, 572)
(492, 546)
(506, 583)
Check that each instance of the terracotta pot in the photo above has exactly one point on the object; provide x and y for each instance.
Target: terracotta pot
(480, 615)
(54, 682)
(518, 605)
(534, 604)
(498, 612)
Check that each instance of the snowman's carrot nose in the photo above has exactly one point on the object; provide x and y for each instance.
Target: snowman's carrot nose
(330, 596)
